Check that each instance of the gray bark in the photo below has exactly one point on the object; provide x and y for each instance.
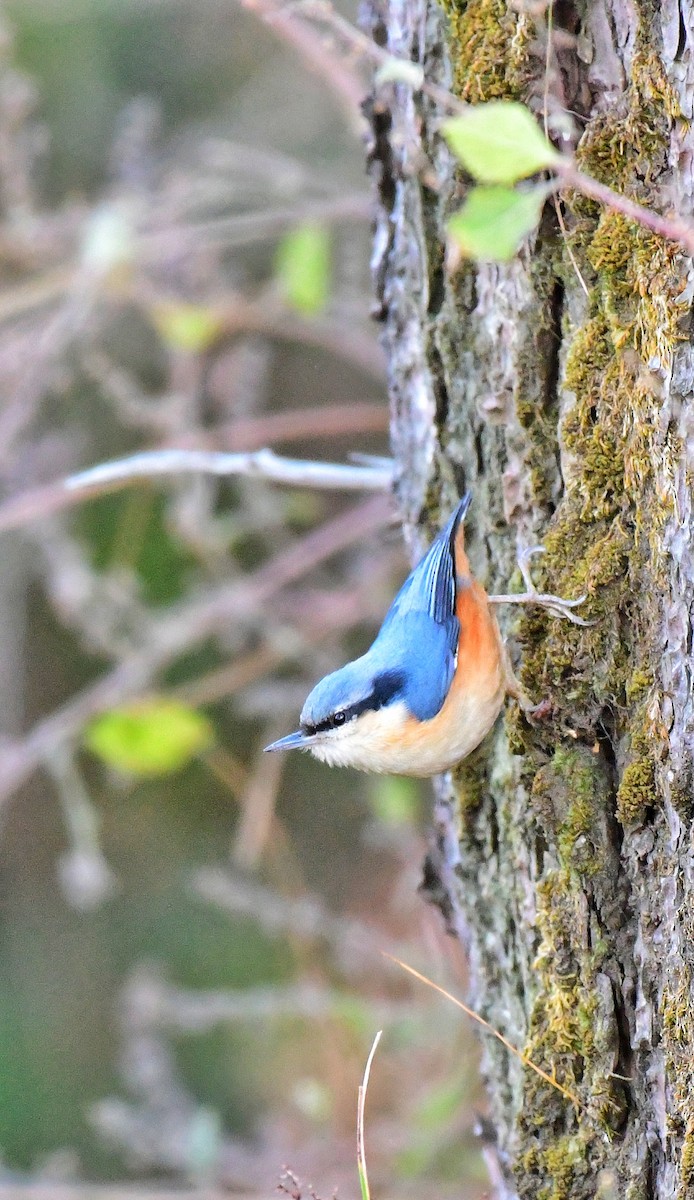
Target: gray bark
(563, 853)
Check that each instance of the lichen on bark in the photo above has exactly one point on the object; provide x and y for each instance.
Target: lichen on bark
(563, 849)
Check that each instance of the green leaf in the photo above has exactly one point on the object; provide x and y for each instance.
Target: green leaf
(302, 267)
(150, 738)
(499, 142)
(494, 220)
(190, 327)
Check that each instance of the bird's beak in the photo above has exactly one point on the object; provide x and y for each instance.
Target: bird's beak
(293, 741)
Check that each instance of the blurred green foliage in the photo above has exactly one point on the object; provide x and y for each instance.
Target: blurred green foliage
(151, 737)
(303, 267)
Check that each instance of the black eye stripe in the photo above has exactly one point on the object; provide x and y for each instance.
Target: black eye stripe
(385, 687)
(332, 722)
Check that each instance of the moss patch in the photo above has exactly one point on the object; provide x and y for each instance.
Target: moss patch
(471, 782)
(677, 1014)
(626, 147)
(568, 794)
(490, 49)
(564, 1161)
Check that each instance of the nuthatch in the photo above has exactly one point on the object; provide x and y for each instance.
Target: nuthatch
(432, 684)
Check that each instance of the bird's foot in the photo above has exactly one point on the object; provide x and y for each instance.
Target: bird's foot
(554, 604)
(541, 711)
(533, 712)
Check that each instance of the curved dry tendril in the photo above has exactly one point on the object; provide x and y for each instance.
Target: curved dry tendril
(527, 1062)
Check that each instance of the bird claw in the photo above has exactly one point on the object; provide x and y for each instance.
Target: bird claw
(557, 605)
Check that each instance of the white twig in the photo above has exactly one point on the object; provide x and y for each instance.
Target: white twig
(262, 464)
(554, 604)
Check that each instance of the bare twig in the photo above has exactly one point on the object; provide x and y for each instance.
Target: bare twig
(244, 229)
(42, 502)
(357, 948)
(323, 13)
(257, 802)
(263, 464)
(349, 344)
(197, 1011)
(326, 421)
(330, 68)
(674, 229)
(85, 876)
(230, 678)
(58, 1190)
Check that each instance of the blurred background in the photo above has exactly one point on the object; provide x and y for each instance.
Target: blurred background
(191, 973)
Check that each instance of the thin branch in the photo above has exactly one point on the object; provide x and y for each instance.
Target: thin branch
(356, 946)
(58, 1190)
(191, 1010)
(257, 804)
(42, 502)
(331, 68)
(260, 464)
(674, 229)
(393, 67)
(351, 344)
(320, 421)
(245, 229)
(224, 681)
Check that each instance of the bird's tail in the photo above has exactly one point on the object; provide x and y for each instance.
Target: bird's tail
(456, 534)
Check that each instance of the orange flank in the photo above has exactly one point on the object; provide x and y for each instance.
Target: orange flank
(478, 689)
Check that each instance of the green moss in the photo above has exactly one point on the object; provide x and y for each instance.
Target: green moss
(640, 682)
(612, 513)
(563, 1161)
(626, 147)
(568, 794)
(490, 49)
(572, 1035)
(687, 1159)
(470, 782)
(636, 792)
(677, 1017)
(599, 680)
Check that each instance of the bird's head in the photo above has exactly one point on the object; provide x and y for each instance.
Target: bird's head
(350, 716)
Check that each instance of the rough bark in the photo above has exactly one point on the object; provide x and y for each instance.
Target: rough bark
(563, 855)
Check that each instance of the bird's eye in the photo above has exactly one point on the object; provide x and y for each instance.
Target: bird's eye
(339, 717)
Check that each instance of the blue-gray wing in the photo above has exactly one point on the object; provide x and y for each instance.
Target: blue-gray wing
(420, 632)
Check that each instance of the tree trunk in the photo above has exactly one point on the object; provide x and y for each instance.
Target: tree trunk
(563, 855)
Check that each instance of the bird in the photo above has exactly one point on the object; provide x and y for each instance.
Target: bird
(430, 687)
